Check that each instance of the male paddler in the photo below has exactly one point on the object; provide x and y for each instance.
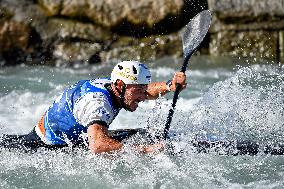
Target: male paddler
(90, 106)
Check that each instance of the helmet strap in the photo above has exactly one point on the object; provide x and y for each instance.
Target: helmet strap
(121, 95)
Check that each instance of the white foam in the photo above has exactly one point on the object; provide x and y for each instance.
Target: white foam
(21, 110)
(246, 103)
(163, 72)
(212, 73)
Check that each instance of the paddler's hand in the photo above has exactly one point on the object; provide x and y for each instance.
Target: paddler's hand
(153, 148)
(179, 78)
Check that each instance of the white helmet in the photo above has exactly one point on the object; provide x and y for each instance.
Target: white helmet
(131, 72)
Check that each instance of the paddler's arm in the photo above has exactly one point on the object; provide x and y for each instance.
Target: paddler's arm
(156, 89)
(99, 142)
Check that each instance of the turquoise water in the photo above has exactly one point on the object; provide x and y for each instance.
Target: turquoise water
(222, 99)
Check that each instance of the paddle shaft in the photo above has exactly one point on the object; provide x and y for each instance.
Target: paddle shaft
(175, 98)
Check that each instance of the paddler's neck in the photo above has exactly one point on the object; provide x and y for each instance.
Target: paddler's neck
(115, 95)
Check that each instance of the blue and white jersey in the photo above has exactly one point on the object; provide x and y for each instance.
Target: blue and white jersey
(80, 105)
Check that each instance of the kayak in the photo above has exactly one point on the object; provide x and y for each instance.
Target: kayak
(30, 143)
(204, 145)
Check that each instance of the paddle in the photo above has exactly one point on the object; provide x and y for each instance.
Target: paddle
(194, 34)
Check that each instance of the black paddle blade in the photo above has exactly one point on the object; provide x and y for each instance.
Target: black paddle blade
(195, 32)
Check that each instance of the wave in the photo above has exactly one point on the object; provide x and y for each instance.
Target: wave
(244, 104)
(249, 104)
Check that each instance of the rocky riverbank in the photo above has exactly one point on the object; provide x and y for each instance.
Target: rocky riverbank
(248, 28)
(95, 31)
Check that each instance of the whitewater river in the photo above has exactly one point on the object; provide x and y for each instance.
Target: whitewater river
(222, 99)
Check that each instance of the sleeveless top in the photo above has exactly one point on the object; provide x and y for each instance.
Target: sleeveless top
(82, 104)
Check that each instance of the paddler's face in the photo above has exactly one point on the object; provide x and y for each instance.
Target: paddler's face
(133, 95)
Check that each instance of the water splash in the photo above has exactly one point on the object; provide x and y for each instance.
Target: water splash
(247, 105)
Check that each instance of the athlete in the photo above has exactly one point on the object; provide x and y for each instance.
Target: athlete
(84, 111)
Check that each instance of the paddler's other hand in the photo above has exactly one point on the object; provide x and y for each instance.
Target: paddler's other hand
(153, 148)
(179, 78)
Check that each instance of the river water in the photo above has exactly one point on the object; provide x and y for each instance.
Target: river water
(222, 99)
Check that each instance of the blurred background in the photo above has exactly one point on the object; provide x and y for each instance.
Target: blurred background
(70, 32)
